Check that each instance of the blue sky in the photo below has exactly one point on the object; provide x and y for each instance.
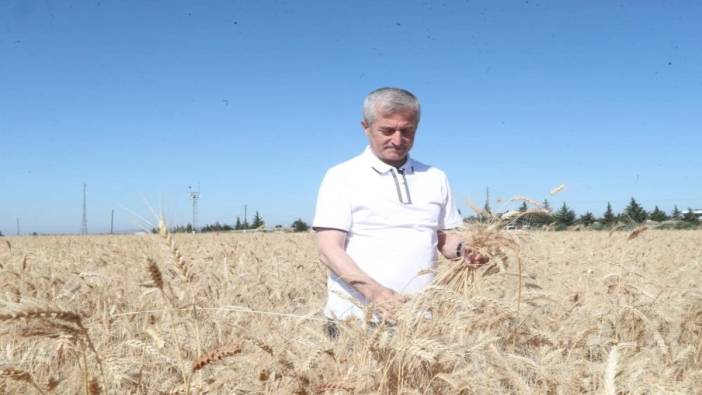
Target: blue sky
(255, 100)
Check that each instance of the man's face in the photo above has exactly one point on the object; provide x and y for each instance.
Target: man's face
(391, 136)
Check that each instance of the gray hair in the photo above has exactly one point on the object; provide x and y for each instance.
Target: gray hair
(389, 101)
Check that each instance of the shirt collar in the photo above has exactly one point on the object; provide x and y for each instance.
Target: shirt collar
(381, 167)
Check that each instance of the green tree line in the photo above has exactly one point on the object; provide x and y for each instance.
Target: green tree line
(633, 213)
(256, 223)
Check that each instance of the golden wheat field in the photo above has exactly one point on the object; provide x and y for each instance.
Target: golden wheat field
(239, 313)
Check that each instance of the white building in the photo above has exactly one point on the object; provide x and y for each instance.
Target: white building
(698, 213)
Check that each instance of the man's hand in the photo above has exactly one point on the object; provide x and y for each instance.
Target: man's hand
(453, 247)
(473, 258)
(386, 301)
(382, 295)
(332, 253)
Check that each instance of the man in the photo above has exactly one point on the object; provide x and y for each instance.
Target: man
(380, 216)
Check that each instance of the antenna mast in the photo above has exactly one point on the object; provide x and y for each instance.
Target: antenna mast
(84, 223)
(194, 195)
(112, 222)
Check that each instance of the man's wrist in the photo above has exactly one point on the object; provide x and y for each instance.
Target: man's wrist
(370, 290)
(459, 249)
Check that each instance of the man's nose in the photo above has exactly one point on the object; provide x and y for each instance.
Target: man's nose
(396, 137)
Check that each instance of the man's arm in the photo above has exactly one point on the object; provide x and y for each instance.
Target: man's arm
(452, 246)
(331, 244)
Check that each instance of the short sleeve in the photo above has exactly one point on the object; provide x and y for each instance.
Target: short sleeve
(333, 208)
(450, 218)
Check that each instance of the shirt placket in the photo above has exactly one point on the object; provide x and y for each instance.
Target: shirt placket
(406, 198)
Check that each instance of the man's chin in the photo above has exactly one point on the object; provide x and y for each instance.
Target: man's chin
(395, 154)
(395, 158)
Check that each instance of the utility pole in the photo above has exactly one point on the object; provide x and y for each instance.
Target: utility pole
(487, 200)
(194, 195)
(112, 222)
(84, 223)
(246, 221)
(18, 228)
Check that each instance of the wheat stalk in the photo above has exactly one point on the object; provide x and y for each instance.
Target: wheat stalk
(610, 375)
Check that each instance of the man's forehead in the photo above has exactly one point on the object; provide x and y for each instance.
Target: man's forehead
(407, 116)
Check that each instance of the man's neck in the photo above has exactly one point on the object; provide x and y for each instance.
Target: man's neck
(396, 165)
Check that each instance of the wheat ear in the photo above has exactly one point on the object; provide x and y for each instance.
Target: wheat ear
(636, 232)
(19, 375)
(178, 259)
(60, 315)
(94, 387)
(154, 273)
(216, 355)
(338, 386)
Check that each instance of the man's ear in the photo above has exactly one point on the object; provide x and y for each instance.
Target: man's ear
(365, 126)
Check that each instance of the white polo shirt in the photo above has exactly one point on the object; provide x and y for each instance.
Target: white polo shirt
(391, 216)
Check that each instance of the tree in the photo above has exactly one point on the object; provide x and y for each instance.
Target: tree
(216, 227)
(546, 205)
(177, 229)
(608, 218)
(536, 218)
(238, 225)
(522, 220)
(587, 219)
(690, 217)
(1, 235)
(564, 216)
(676, 213)
(658, 215)
(300, 226)
(257, 221)
(635, 212)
